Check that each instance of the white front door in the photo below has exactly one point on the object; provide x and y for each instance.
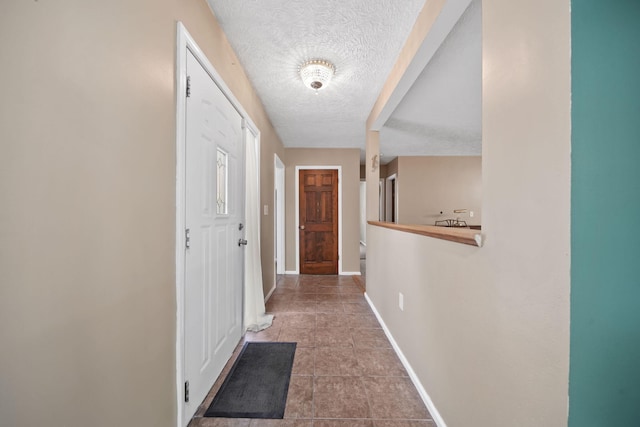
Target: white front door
(214, 213)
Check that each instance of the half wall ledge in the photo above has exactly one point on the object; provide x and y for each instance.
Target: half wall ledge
(459, 235)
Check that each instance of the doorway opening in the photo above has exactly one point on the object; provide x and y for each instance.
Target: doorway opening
(391, 199)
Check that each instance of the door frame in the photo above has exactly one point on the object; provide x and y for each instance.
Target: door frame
(185, 42)
(297, 215)
(279, 220)
(382, 193)
(391, 198)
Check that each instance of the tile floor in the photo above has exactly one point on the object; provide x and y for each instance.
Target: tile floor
(345, 373)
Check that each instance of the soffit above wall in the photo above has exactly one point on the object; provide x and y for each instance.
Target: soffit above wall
(441, 115)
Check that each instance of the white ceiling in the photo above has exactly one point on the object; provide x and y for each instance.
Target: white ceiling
(362, 38)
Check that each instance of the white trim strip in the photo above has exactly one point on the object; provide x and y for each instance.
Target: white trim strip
(437, 418)
(350, 273)
(182, 40)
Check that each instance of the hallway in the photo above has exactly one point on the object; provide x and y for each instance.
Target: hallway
(345, 373)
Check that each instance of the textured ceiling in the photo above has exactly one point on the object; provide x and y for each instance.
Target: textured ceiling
(362, 38)
(441, 113)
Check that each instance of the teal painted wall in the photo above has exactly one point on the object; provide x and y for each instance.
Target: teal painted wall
(604, 380)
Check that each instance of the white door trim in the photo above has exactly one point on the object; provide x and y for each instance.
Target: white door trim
(389, 200)
(297, 207)
(278, 220)
(185, 42)
(382, 189)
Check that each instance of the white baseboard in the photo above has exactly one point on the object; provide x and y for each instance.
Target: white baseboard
(266, 298)
(350, 273)
(437, 418)
(291, 272)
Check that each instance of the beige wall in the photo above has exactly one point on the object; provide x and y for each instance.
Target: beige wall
(87, 225)
(430, 185)
(269, 145)
(349, 160)
(487, 329)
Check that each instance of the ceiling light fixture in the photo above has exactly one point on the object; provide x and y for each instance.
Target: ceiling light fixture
(317, 73)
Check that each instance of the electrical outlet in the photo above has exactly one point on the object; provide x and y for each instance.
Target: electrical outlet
(266, 209)
(471, 214)
(401, 301)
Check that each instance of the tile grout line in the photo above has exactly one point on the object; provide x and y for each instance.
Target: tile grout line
(297, 319)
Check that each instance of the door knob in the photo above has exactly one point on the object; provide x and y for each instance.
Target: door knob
(301, 227)
(242, 242)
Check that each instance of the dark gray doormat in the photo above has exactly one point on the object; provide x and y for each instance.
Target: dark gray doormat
(257, 384)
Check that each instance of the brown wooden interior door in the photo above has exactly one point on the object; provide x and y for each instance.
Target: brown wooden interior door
(318, 221)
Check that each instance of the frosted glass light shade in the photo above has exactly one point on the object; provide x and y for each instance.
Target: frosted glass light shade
(316, 74)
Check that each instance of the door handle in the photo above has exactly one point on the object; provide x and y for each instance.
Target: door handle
(301, 227)
(242, 242)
